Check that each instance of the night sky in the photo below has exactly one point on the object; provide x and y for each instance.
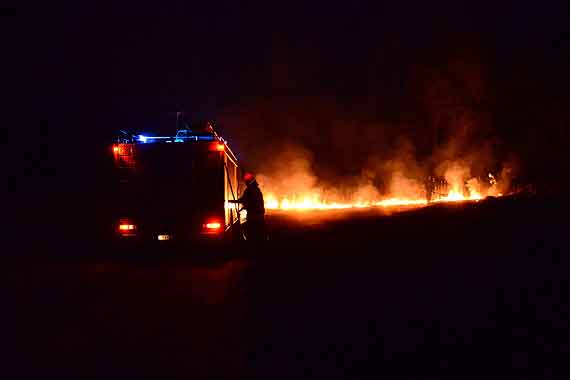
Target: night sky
(293, 71)
(208, 57)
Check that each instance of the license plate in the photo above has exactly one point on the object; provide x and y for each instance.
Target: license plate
(163, 237)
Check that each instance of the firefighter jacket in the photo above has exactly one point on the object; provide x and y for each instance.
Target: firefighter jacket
(252, 200)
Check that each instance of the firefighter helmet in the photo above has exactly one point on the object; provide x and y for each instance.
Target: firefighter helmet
(248, 178)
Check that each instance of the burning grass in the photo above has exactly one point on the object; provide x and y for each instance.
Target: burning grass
(454, 186)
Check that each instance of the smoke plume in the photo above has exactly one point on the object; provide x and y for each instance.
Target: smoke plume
(439, 136)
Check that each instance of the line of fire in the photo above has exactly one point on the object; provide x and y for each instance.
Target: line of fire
(436, 190)
(450, 180)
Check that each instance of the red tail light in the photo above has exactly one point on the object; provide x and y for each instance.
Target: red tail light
(127, 227)
(212, 226)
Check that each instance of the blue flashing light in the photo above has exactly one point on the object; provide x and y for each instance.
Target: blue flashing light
(180, 138)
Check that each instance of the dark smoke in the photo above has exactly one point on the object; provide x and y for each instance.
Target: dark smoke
(369, 146)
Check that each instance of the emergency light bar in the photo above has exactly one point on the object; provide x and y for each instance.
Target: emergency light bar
(177, 139)
(124, 149)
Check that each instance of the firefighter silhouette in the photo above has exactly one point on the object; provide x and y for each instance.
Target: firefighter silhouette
(252, 201)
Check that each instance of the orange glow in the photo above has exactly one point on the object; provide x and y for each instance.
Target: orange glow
(314, 203)
(457, 189)
(127, 227)
(218, 147)
(122, 149)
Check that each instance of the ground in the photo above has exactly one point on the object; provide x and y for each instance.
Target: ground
(461, 291)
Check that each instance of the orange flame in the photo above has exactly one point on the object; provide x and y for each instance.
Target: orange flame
(314, 203)
(312, 200)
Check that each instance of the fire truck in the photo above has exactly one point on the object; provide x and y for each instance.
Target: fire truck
(175, 188)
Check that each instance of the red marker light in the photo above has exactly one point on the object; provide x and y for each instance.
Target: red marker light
(123, 149)
(217, 147)
(123, 155)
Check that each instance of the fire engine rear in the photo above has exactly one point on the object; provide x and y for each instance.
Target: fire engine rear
(175, 188)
